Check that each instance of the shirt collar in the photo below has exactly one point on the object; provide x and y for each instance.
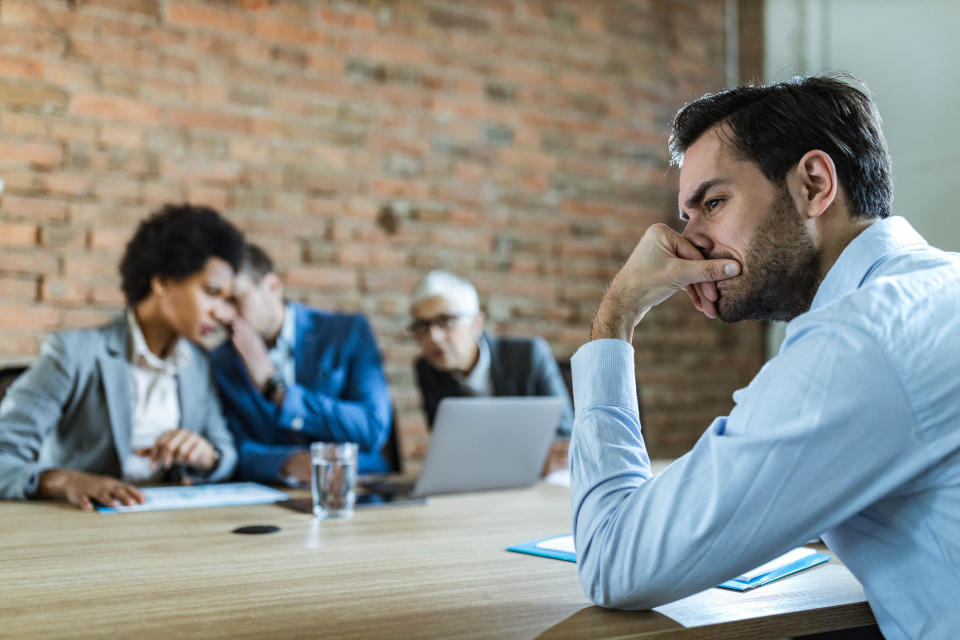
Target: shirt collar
(873, 246)
(141, 356)
(479, 377)
(288, 331)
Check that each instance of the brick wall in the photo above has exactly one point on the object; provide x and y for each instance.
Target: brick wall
(519, 143)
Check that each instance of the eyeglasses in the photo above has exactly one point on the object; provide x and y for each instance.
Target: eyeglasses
(444, 321)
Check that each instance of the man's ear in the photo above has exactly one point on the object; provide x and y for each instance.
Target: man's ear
(817, 183)
(478, 321)
(273, 284)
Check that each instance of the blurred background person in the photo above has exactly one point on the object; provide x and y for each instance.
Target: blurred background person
(291, 375)
(457, 358)
(105, 408)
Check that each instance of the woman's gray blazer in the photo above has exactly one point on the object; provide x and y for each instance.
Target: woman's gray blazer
(72, 410)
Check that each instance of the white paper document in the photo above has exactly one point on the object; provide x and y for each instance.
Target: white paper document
(204, 495)
(780, 561)
(560, 543)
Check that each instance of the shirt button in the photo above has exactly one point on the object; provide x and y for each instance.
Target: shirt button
(297, 423)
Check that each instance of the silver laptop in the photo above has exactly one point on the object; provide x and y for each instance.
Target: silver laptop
(485, 443)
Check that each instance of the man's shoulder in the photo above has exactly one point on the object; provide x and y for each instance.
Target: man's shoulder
(327, 328)
(325, 318)
(907, 296)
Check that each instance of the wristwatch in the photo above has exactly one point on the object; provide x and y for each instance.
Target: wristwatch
(276, 386)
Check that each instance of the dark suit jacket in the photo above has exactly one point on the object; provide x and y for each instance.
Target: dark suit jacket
(519, 366)
(72, 410)
(340, 395)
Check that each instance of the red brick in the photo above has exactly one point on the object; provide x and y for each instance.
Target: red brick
(106, 238)
(30, 262)
(326, 62)
(63, 235)
(21, 346)
(287, 32)
(110, 53)
(16, 39)
(526, 159)
(370, 256)
(159, 193)
(121, 136)
(395, 188)
(67, 184)
(23, 124)
(34, 208)
(200, 119)
(205, 16)
(221, 172)
(18, 288)
(397, 51)
(215, 197)
(30, 94)
(73, 131)
(84, 265)
(19, 66)
(28, 316)
(17, 235)
(348, 19)
(60, 290)
(392, 280)
(327, 278)
(20, 13)
(114, 108)
(107, 294)
(249, 150)
(117, 190)
(147, 8)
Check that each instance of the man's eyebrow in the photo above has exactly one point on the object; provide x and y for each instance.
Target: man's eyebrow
(701, 191)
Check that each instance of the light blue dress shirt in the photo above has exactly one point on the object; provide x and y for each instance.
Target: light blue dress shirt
(851, 432)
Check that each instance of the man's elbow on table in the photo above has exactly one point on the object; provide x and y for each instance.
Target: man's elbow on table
(610, 581)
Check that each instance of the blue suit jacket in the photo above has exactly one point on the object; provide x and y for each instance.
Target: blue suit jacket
(340, 395)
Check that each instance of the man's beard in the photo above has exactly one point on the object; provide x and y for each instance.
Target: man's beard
(782, 270)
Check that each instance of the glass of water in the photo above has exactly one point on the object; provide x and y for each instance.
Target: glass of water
(333, 478)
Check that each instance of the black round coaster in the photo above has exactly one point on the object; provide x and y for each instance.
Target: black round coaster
(256, 528)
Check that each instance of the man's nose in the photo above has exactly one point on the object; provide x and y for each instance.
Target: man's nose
(435, 333)
(698, 237)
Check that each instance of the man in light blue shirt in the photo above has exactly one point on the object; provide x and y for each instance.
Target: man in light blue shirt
(852, 432)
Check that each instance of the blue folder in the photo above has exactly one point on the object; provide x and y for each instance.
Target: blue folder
(532, 548)
(740, 583)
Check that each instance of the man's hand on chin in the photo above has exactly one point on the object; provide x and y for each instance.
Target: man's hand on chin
(662, 263)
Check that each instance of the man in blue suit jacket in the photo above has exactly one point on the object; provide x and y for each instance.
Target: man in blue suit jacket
(291, 375)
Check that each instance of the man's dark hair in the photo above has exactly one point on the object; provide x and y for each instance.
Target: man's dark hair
(773, 126)
(176, 242)
(256, 263)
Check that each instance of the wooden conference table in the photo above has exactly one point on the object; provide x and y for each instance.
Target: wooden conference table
(434, 570)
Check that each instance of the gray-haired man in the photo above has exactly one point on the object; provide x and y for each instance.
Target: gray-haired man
(459, 359)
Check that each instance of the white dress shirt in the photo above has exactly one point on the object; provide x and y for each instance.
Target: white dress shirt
(155, 399)
(479, 380)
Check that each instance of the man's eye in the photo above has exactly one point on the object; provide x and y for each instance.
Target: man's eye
(712, 204)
